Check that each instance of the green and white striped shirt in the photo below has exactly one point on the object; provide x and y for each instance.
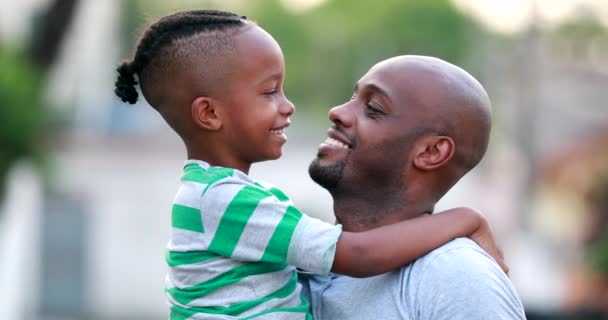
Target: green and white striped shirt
(234, 246)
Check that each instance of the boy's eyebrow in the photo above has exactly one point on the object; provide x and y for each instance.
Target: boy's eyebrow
(375, 88)
(273, 77)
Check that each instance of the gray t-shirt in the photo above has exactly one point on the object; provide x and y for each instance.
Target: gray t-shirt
(456, 281)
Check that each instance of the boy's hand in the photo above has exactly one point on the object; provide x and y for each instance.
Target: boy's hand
(484, 237)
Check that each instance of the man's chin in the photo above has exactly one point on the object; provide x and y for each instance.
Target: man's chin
(326, 175)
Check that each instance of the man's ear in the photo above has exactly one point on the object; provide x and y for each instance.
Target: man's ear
(205, 113)
(433, 152)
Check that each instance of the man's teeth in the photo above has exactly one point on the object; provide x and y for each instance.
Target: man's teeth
(336, 143)
(278, 131)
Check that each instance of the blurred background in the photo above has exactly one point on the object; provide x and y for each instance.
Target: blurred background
(86, 182)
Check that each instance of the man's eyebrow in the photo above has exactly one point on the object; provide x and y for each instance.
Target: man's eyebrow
(375, 88)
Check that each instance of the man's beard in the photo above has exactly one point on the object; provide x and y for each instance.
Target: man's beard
(328, 176)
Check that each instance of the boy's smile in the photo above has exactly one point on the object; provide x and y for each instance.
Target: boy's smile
(280, 130)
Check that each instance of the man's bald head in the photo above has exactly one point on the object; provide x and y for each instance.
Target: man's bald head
(453, 103)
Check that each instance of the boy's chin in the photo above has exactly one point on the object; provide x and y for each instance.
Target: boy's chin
(272, 156)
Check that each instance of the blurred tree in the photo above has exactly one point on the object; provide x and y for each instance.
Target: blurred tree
(328, 48)
(21, 83)
(582, 26)
(596, 248)
(582, 40)
(50, 29)
(19, 93)
(597, 237)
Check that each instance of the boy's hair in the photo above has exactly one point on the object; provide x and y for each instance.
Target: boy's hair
(157, 50)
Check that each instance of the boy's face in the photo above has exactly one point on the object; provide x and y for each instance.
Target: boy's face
(256, 108)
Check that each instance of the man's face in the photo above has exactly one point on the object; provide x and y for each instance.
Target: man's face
(373, 133)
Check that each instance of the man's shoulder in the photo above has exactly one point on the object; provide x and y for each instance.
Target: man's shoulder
(460, 268)
(457, 258)
(455, 249)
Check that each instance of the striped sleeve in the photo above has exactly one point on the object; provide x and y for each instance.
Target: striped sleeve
(313, 245)
(257, 225)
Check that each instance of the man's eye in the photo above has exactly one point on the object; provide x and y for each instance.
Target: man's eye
(371, 108)
(373, 111)
(271, 92)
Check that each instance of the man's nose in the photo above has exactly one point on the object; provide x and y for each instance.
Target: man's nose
(341, 115)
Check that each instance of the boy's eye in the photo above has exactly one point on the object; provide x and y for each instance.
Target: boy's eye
(271, 91)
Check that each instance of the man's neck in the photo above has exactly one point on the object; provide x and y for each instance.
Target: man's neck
(365, 212)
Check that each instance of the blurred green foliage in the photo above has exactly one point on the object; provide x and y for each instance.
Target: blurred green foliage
(25, 117)
(21, 113)
(597, 254)
(597, 246)
(327, 49)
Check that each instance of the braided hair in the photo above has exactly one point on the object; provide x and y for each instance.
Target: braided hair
(163, 34)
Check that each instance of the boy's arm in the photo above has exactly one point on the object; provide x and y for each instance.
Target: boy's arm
(376, 251)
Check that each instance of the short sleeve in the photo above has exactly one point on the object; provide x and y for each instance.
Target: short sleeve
(247, 222)
(313, 245)
(463, 283)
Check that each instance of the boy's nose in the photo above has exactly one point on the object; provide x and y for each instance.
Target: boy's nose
(287, 108)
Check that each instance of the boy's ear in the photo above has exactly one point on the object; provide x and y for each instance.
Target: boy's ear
(432, 152)
(205, 113)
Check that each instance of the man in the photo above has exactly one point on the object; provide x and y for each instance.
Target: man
(414, 126)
